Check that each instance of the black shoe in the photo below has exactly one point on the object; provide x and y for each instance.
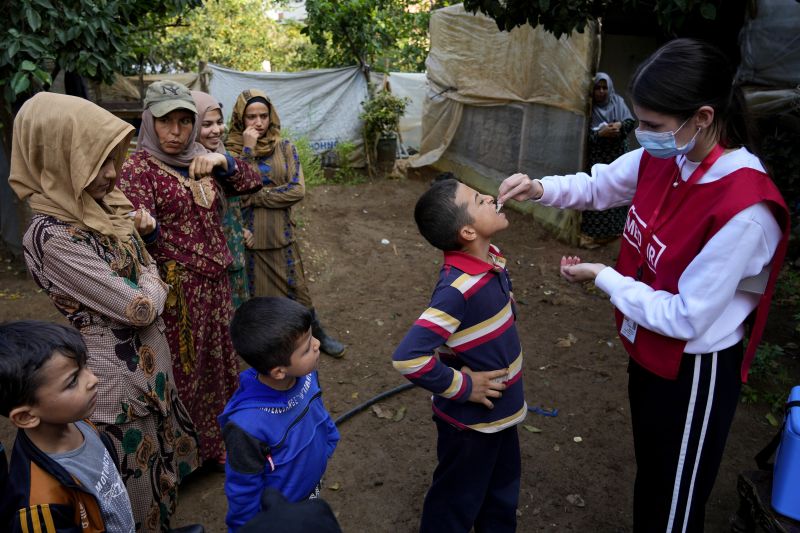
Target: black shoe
(191, 528)
(327, 344)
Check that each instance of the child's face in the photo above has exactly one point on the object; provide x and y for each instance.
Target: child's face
(67, 393)
(482, 208)
(305, 356)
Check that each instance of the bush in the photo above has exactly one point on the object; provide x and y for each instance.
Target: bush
(310, 161)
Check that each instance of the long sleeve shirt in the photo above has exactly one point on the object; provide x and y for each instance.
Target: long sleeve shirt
(722, 284)
(470, 322)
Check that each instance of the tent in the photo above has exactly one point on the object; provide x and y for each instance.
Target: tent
(504, 102)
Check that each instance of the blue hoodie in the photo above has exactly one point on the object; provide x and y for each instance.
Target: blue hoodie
(279, 439)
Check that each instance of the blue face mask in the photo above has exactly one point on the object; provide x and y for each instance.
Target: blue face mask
(662, 144)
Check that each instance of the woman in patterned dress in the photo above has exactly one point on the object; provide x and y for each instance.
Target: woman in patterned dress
(610, 125)
(275, 266)
(183, 185)
(84, 249)
(212, 127)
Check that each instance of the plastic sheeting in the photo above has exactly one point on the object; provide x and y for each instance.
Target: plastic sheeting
(322, 105)
(472, 62)
(770, 45)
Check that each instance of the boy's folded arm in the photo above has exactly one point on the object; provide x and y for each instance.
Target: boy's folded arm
(244, 474)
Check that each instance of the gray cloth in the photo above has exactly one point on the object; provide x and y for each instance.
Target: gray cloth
(92, 465)
(613, 109)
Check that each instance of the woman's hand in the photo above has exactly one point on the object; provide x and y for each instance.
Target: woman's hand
(202, 165)
(144, 222)
(573, 270)
(519, 187)
(250, 137)
(610, 130)
(249, 241)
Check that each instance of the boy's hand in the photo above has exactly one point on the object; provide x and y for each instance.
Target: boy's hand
(486, 385)
(572, 269)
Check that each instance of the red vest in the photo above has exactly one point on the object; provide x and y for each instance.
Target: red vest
(687, 220)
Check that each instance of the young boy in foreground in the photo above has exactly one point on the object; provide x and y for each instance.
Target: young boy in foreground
(276, 429)
(476, 377)
(63, 474)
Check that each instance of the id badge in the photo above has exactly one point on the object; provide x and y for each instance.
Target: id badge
(628, 329)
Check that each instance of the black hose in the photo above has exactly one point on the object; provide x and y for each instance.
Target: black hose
(357, 409)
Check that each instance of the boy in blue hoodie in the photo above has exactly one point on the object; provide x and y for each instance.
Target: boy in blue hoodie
(276, 429)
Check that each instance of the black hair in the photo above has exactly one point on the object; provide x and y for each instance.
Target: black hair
(25, 346)
(439, 218)
(265, 330)
(257, 100)
(686, 74)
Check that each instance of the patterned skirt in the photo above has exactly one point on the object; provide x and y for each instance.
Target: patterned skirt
(205, 365)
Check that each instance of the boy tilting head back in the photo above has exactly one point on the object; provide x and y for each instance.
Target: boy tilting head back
(63, 473)
(276, 429)
(476, 375)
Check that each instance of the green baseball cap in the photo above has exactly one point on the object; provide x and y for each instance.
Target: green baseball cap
(165, 96)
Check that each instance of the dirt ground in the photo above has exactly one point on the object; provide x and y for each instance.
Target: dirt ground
(369, 293)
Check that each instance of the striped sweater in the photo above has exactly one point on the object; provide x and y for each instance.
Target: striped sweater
(469, 322)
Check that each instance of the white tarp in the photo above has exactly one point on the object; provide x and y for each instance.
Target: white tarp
(322, 105)
(411, 85)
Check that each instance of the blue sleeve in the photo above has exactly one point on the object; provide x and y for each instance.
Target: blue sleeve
(416, 357)
(245, 474)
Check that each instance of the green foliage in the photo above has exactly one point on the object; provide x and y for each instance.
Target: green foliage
(236, 34)
(309, 160)
(381, 115)
(565, 16)
(91, 38)
(382, 34)
(769, 380)
(345, 172)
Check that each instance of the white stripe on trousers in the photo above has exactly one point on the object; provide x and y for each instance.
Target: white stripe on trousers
(685, 441)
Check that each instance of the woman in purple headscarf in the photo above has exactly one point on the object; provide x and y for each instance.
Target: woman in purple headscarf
(183, 184)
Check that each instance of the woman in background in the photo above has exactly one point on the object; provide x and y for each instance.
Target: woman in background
(275, 263)
(210, 134)
(611, 122)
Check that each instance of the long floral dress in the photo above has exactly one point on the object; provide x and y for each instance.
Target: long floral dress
(233, 226)
(193, 258)
(116, 305)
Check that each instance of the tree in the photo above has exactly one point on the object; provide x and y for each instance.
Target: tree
(565, 16)
(379, 34)
(91, 38)
(237, 34)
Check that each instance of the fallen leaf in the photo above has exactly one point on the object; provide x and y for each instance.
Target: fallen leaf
(381, 412)
(575, 499)
(566, 342)
(354, 396)
(577, 439)
(772, 420)
(335, 486)
(532, 429)
(400, 414)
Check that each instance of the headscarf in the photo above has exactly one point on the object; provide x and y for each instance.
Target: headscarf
(60, 142)
(148, 140)
(205, 103)
(266, 144)
(613, 109)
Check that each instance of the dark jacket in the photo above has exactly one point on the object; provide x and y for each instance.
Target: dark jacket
(44, 497)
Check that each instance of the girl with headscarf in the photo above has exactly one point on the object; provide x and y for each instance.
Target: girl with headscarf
(182, 183)
(212, 127)
(275, 266)
(85, 248)
(609, 127)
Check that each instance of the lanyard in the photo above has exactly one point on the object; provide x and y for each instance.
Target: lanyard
(654, 221)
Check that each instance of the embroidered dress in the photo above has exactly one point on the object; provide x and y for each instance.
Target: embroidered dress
(275, 267)
(233, 226)
(193, 256)
(115, 304)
